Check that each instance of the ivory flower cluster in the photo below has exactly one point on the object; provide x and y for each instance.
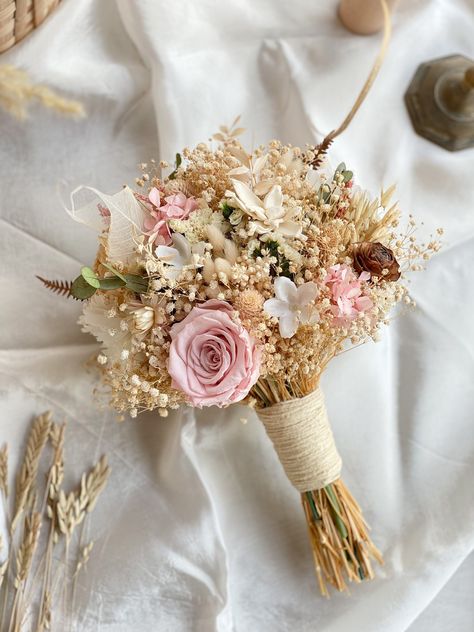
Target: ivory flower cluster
(238, 268)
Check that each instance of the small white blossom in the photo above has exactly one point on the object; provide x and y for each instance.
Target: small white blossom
(179, 256)
(292, 305)
(143, 318)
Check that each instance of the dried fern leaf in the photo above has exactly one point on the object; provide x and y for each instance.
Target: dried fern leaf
(321, 151)
(63, 288)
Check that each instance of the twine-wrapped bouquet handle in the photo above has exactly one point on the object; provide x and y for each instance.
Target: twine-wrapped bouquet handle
(302, 437)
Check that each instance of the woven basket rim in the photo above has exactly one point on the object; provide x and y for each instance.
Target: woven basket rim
(15, 26)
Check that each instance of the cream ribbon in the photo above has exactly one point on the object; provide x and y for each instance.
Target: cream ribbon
(301, 435)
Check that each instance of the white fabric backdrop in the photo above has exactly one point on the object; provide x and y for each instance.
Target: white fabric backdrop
(199, 529)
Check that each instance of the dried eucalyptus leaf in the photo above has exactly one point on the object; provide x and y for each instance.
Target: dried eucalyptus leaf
(114, 271)
(81, 290)
(90, 277)
(347, 175)
(136, 283)
(178, 161)
(112, 283)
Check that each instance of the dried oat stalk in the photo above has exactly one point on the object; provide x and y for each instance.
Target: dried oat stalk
(26, 478)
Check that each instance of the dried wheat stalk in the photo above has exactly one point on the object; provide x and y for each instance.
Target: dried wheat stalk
(37, 576)
(36, 441)
(3, 570)
(27, 548)
(71, 509)
(84, 558)
(4, 471)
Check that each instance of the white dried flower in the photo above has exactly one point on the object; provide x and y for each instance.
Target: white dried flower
(267, 215)
(179, 256)
(292, 305)
(143, 318)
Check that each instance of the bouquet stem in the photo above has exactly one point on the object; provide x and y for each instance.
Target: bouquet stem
(339, 536)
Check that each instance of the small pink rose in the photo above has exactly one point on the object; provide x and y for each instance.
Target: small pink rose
(213, 359)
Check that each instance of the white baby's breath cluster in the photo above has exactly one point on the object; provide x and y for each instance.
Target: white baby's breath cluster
(271, 235)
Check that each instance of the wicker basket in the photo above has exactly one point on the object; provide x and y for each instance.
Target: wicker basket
(19, 18)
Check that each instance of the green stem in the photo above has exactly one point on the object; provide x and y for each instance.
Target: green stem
(314, 511)
(336, 510)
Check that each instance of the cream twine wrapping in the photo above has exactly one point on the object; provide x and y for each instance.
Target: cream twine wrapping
(302, 437)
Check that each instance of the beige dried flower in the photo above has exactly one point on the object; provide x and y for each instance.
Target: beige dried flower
(208, 270)
(223, 267)
(216, 238)
(143, 318)
(249, 304)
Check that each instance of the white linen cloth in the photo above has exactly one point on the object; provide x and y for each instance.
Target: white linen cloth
(199, 529)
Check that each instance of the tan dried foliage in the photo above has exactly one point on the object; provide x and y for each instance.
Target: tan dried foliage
(18, 92)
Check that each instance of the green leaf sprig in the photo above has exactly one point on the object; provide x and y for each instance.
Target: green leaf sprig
(87, 283)
(177, 164)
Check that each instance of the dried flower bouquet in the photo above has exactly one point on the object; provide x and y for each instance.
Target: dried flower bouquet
(237, 278)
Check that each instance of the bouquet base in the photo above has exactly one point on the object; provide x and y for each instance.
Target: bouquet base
(339, 535)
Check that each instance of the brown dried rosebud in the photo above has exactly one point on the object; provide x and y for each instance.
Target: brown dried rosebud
(374, 257)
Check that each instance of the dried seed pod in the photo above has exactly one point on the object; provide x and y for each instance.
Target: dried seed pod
(376, 258)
